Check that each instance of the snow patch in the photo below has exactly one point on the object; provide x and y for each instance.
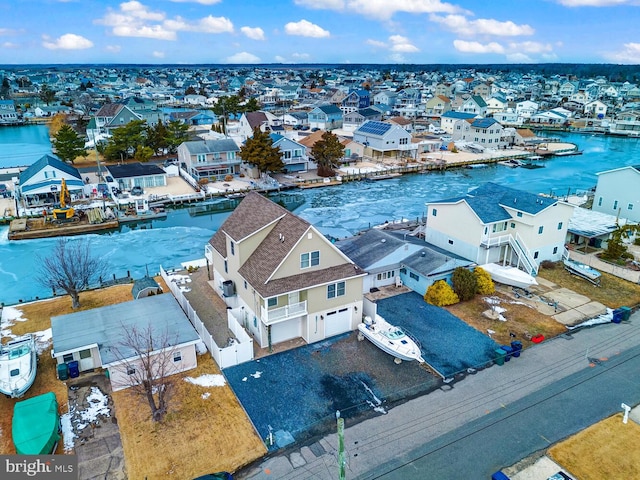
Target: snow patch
(98, 405)
(206, 395)
(10, 315)
(67, 432)
(256, 375)
(43, 340)
(208, 380)
(181, 281)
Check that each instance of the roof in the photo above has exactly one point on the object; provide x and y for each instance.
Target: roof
(374, 128)
(483, 122)
(104, 326)
(479, 100)
(142, 284)
(128, 170)
(329, 109)
(51, 161)
(458, 115)
(212, 146)
(370, 247)
(590, 223)
(256, 212)
(109, 110)
(255, 119)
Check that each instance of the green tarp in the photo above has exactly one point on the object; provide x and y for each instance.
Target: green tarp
(36, 424)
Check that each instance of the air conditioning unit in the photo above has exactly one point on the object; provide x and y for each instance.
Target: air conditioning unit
(228, 288)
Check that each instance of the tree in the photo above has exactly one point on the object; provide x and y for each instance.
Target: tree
(258, 150)
(125, 140)
(616, 249)
(46, 94)
(484, 283)
(143, 154)
(464, 283)
(146, 362)
(57, 121)
(177, 133)
(68, 144)
(440, 294)
(327, 153)
(157, 138)
(70, 267)
(5, 90)
(252, 105)
(190, 90)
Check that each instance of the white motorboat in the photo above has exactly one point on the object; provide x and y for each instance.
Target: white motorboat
(390, 339)
(582, 270)
(509, 275)
(18, 363)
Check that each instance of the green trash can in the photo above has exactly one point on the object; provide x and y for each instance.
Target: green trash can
(63, 371)
(500, 356)
(625, 313)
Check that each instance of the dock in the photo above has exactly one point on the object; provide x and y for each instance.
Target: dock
(31, 228)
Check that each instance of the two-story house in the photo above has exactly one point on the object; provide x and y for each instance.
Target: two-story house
(355, 100)
(354, 119)
(8, 112)
(448, 120)
(325, 117)
(210, 159)
(40, 183)
(494, 223)
(437, 106)
(486, 132)
(474, 104)
(617, 193)
(294, 154)
(287, 277)
(385, 140)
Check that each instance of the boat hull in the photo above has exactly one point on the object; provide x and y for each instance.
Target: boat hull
(402, 347)
(582, 270)
(18, 355)
(509, 275)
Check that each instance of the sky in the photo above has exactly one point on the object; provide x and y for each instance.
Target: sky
(319, 31)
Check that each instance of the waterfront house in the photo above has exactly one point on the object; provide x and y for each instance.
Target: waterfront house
(325, 117)
(8, 114)
(288, 280)
(618, 193)
(626, 122)
(40, 183)
(526, 108)
(293, 154)
(385, 140)
(354, 119)
(596, 109)
(486, 132)
(94, 338)
(144, 175)
(494, 223)
(210, 159)
(448, 120)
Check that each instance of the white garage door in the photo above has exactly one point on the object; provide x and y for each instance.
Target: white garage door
(337, 321)
(283, 331)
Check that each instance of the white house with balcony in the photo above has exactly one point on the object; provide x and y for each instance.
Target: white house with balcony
(385, 140)
(281, 276)
(210, 159)
(293, 154)
(497, 224)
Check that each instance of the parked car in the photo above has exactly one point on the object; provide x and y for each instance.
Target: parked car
(137, 190)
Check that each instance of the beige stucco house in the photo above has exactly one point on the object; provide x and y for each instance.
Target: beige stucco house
(288, 278)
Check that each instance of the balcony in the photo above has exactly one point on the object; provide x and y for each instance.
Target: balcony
(281, 314)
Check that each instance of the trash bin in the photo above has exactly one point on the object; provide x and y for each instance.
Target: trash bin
(516, 346)
(63, 371)
(74, 370)
(500, 354)
(617, 315)
(499, 476)
(508, 352)
(626, 313)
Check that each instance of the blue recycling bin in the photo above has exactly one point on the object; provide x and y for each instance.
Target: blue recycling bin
(499, 476)
(508, 351)
(74, 369)
(516, 346)
(617, 316)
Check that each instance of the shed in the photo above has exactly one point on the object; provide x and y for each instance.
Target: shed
(145, 286)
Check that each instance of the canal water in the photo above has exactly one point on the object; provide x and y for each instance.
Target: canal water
(22, 146)
(337, 211)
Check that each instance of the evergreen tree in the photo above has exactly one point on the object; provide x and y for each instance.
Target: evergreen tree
(68, 144)
(46, 94)
(143, 154)
(259, 151)
(484, 283)
(177, 133)
(327, 153)
(125, 140)
(441, 294)
(157, 138)
(464, 283)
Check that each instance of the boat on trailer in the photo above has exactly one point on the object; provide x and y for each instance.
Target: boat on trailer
(390, 339)
(509, 275)
(582, 270)
(18, 363)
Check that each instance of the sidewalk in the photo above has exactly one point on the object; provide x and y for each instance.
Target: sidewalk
(423, 419)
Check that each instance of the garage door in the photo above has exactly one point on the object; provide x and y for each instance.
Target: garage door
(337, 321)
(283, 331)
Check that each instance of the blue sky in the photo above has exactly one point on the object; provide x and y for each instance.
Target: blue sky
(319, 31)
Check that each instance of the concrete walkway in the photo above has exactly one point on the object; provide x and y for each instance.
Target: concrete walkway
(428, 417)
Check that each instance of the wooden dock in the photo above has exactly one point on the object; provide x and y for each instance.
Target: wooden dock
(31, 228)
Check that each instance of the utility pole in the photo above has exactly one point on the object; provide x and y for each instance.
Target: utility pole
(341, 459)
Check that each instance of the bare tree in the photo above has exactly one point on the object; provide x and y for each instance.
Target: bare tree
(146, 363)
(70, 267)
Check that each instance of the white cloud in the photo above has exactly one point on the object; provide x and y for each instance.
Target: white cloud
(201, 2)
(481, 26)
(68, 41)
(7, 31)
(402, 44)
(383, 9)
(243, 57)
(254, 33)
(530, 47)
(158, 54)
(597, 3)
(519, 58)
(280, 59)
(113, 48)
(9, 45)
(630, 54)
(477, 47)
(376, 43)
(301, 56)
(304, 28)
(397, 58)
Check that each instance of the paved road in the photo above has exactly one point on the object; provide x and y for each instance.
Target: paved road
(552, 369)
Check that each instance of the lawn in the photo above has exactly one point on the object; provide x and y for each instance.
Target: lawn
(608, 449)
(613, 292)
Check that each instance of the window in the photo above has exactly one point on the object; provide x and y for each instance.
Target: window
(630, 206)
(67, 357)
(540, 230)
(131, 370)
(201, 158)
(177, 356)
(555, 250)
(559, 225)
(85, 353)
(403, 271)
(600, 201)
(434, 212)
(519, 214)
(615, 204)
(335, 290)
(404, 141)
(311, 259)
(245, 284)
(226, 267)
(450, 242)
(513, 225)
(414, 276)
(233, 248)
(535, 254)
(272, 302)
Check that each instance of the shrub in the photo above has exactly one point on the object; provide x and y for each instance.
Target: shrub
(228, 178)
(203, 181)
(441, 294)
(548, 264)
(484, 283)
(464, 283)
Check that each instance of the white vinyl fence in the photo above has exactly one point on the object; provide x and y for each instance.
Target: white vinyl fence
(236, 352)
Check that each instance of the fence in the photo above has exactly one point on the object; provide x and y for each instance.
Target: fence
(237, 352)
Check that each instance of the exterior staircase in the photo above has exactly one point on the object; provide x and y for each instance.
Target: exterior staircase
(526, 261)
